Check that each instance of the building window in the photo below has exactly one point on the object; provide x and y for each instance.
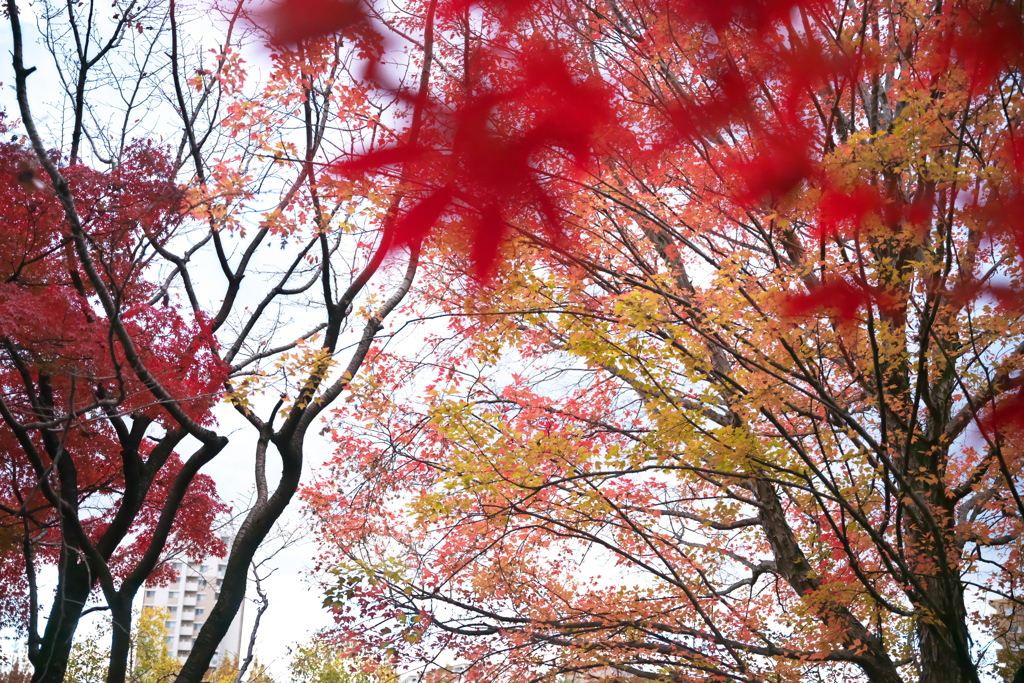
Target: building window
(221, 568)
(169, 639)
(204, 567)
(172, 595)
(200, 610)
(202, 583)
(199, 625)
(169, 625)
(150, 594)
(200, 597)
(172, 610)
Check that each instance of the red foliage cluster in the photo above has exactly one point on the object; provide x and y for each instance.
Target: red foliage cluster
(482, 159)
(475, 170)
(295, 20)
(49, 306)
(64, 375)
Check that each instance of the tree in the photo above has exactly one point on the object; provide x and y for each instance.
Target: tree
(151, 662)
(803, 160)
(125, 319)
(320, 661)
(17, 672)
(89, 657)
(742, 401)
(148, 656)
(67, 398)
(149, 659)
(228, 671)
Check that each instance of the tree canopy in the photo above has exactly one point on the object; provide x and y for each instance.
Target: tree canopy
(741, 402)
(730, 387)
(145, 179)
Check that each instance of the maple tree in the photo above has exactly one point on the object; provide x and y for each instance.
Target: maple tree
(75, 424)
(740, 399)
(131, 220)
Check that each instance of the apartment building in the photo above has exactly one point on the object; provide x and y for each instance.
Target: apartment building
(189, 600)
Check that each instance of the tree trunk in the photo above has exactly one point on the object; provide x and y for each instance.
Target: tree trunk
(120, 641)
(50, 662)
(794, 568)
(943, 640)
(250, 535)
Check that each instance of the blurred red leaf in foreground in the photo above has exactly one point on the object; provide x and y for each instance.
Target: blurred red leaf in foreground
(292, 21)
(489, 159)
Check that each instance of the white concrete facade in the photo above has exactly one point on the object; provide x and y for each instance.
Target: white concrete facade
(189, 600)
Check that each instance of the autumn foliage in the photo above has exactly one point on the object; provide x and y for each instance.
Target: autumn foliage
(730, 388)
(740, 399)
(145, 283)
(60, 368)
(524, 100)
(77, 482)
